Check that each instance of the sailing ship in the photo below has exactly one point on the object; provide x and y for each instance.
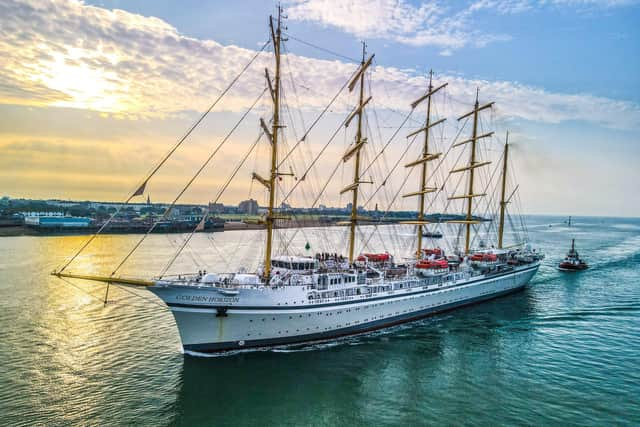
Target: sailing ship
(299, 299)
(573, 262)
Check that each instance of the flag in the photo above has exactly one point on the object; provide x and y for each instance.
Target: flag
(200, 226)
(140, 191)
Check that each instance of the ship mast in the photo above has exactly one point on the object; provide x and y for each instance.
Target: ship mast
(473, 164)
(423, 160)
(355, 149)
(270, 184)
(503, 202)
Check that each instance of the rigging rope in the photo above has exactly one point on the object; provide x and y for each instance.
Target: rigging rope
(489, 200)
(387, 143)
(220, 192)
(409, 174)
(166, 157)
(326, 145)
(339, 55)
(193, 178)
(304, 137)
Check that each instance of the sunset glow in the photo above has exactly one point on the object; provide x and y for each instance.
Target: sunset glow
(106, 91)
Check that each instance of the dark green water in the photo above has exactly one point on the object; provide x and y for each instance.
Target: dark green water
(564, 352)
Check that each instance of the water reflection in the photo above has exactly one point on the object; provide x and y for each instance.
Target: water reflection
(562, 352)
(377, 378)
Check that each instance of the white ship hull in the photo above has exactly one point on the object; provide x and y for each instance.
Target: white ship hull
(210, 320)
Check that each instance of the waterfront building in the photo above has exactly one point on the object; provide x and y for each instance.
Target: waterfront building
(249, 207)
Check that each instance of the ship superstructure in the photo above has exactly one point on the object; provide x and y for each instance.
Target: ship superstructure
(299, 299)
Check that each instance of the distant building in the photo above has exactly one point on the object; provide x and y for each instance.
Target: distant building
(57, 222)
(61, 203)
(41, 214)
(216, 208)
(231, 209)
(248, 207)
(186, 213)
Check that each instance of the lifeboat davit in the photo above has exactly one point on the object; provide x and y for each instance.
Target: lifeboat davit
(432, 267)
(484, 257)
(434, 251)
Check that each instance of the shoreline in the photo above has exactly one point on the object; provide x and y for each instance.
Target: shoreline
(24, 230)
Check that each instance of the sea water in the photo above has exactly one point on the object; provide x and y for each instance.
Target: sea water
(565, 351)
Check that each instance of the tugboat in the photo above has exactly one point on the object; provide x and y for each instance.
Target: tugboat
(572, 261)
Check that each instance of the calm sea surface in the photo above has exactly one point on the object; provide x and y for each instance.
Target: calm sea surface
(566, 351)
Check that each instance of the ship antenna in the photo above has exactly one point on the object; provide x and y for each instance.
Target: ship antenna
(423, 160)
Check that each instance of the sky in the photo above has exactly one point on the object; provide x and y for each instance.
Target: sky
(94, 93)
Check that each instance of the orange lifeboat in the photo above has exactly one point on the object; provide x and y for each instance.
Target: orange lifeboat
(489, 258)
(435, 264)
(374, 257)
(432, 267)
(484, 257)
(435, 251)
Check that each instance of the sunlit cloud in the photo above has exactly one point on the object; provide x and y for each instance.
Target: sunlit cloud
(86, 87)
(430, 23)
(65, 53)
(447, 25)
(90, 98)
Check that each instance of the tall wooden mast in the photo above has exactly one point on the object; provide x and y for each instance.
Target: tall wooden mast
(473, 164)
(355, 149)
(423, 160)
(503, 202)
(270, 184)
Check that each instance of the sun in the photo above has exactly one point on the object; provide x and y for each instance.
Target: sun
(82, 85)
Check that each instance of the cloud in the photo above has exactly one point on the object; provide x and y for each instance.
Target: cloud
(68, 54)
(447, 25)
(519, 6)
(430, 23)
